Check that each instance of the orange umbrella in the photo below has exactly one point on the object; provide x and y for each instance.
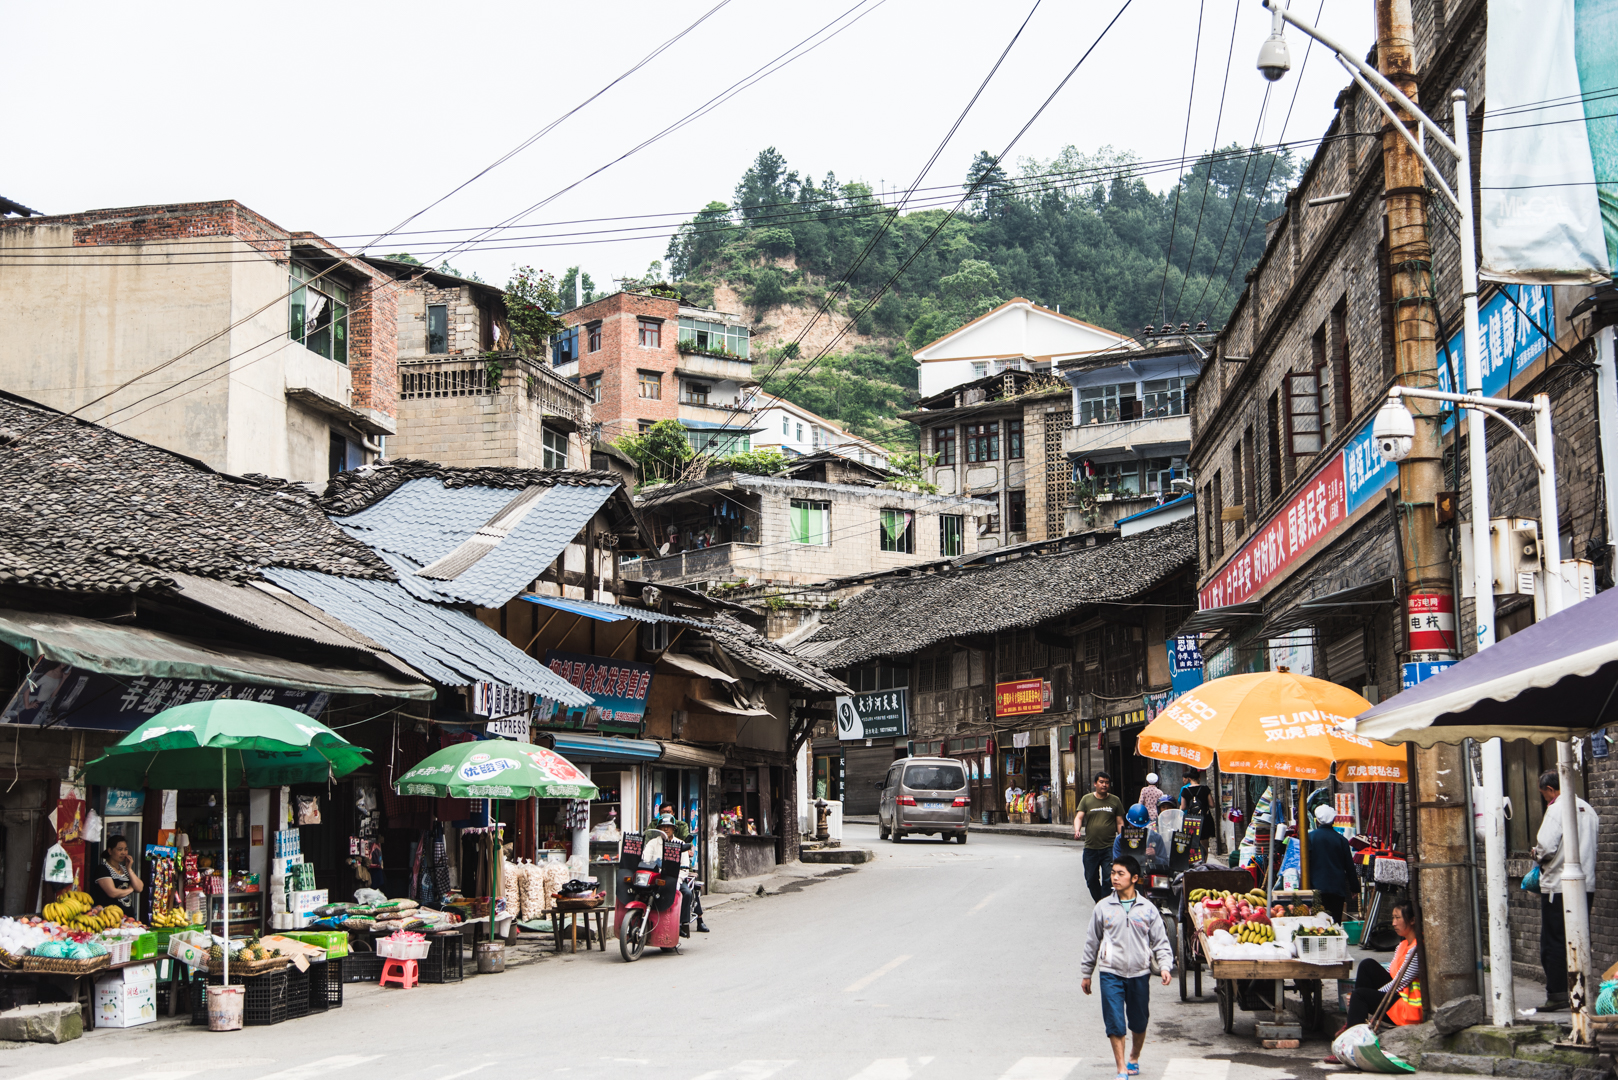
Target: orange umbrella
(1272, 723)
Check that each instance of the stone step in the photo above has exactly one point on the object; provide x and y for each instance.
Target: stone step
(57, 1022)
(852, 856)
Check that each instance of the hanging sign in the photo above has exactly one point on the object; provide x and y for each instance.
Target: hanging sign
(1019, 698)
(879, 715)
(1432, 626)
(1185, 662)
(619, 687)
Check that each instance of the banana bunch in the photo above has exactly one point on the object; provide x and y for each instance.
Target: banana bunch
(69, 906)
(1252, 896)
(173, 917)
(1249, 933)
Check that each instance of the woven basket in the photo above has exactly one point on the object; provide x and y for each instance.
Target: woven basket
(49, 965)
(245, 968)
(9, 961)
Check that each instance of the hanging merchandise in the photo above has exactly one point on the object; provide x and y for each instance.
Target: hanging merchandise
(58, 866)
(578, 814)
(92, 827)
(308, 810)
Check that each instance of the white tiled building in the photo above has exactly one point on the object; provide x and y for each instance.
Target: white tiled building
(1018, 335)
(796, 432)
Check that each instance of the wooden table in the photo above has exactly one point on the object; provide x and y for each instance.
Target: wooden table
(1307, 979)
(572, 909)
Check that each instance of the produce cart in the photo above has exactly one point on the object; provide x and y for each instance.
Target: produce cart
(1241, 984)
(1188, 949)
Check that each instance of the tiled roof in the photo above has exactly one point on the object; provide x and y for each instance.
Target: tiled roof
(84, 509)
(350, 492)
(908, 614)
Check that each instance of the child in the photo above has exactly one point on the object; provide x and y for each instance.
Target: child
(1126, 930)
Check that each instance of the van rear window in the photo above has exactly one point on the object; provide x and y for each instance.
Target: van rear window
(935, 777)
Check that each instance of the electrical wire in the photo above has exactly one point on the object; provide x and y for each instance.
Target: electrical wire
(1185, 142)
(1241, 189)
(1207, 180)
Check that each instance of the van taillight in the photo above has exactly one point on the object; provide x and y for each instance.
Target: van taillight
(959, 802)
(906, 800)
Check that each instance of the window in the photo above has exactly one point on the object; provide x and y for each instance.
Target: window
(879, 677)
(1237, 473)
(718, 443)
(437, 328)
(983, 442)
(1323, 385)
(695, 393)
(565, 347)
(951, 530)
(1098, 405)
(651, 385)
(1120, 478)
(319, 314)
(1013, 440)
(816, 436)
(1163, 397)
(701, 335)
(1303, 413)
(1249, 498)
(811, 522)
(1339, 363)
(1217, 514)
(651, 333)
(799, 437)
(935, 777)
(944, 445)
(553, 454)
(592, 386)
(1017, 511)
(980, 369)
(594, 336)
(786, 425)
(1159, 473)
(1272, 444)
(643, 426)
(899, 531)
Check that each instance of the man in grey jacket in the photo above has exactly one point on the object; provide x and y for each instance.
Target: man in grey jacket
(1126, 931)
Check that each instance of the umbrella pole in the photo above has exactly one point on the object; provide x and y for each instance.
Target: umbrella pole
(1269, 862)
(224, 856)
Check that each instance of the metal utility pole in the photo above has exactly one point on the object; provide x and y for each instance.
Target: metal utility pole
(1441, 850)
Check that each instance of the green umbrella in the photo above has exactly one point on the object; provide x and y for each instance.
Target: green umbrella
(496, 769)
(233, 743)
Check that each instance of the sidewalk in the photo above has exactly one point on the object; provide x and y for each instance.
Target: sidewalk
(1049, 832)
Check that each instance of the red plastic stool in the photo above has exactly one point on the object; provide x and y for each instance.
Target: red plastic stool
(401, 973)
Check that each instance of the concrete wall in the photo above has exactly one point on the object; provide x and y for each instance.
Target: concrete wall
(451, 412)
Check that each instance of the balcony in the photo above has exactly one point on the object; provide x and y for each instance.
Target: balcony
(1163, 436)
(722, 562)
(714, 412)
(695, 365)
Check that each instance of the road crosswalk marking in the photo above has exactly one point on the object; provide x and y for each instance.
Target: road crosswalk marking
(62, 1072)
(201, 1065)
(1196, 1069)
(753, 1069)
(890, 1069)
(1040, 1068)
(322, 1066)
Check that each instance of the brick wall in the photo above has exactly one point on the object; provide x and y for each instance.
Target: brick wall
(168, 222)
(374, 345)
(621, 358)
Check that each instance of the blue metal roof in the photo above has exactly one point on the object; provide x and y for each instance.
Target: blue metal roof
(421, 521)
(1158, 509)
(576, 607)
(448, 646)
(579, 747)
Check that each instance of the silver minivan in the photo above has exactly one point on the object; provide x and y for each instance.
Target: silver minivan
(924, 795)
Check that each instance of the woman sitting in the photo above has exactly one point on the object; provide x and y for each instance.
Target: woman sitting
(1373, 981)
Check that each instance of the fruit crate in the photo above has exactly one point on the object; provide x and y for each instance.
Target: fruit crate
(444, 962)
(146, 946)
(266, 1001)
(335, 942)
(298, 992)
(326, 985)
(1329, 949)
(402, 950)
(362, 967)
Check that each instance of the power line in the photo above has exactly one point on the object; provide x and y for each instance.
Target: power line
(1185, 142)
(1207, 180)
(1241, 189)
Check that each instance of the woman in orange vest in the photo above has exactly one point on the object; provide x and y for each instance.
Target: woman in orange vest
(1372, 980)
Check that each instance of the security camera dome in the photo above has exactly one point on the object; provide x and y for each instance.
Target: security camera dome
(1274, 58)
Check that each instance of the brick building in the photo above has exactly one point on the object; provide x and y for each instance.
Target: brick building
(466, 398)
(204, 328)
(645, 356)
(1301, 538)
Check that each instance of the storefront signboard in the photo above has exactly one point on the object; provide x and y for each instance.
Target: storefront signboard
(1414, 674)
(1508, 338)
(123, 802)
(1020, 698)
(506, 707)
(881, 714)
(619, 687)
(1310, 514)
(60, 695)
(1185, 662)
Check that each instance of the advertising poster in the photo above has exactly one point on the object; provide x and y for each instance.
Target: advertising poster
(58, 695)
(880, 714)
(619, 687)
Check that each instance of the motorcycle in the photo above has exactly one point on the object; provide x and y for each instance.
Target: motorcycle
(649, 907)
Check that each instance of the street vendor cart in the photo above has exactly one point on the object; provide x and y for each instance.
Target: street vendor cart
(1187, 948)
(1260, 985)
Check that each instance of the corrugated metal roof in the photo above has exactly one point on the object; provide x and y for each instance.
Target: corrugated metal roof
(446, 645)
(577, 747)
(422, 522)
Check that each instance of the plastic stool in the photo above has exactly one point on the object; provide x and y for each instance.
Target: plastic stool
(402, 973)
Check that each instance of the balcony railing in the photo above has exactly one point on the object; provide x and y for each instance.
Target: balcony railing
(720, 562)
(1153, 434)
(495, 374)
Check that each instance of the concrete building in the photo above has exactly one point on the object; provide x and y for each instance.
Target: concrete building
(1019, 335)
(466, 398)
(796, 431)
(204, 328)
(646, 356)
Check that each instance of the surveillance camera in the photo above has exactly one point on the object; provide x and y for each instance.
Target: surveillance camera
(1274, 58)
(1394, 430)
(1181, 483)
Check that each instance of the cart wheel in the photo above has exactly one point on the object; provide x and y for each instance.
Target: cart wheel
(1184, 957)
(1225, 990)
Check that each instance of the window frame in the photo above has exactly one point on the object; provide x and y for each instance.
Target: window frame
(905, 542)
(1014, 440)
(982, 442)
(565, 347)
(694, 393)
(442, 311)
(549, 452)
(944, 444)
(1298, 437)
(337, 300)
(1169, 395)
(651, 331)
(945, 521)
(1017, 500)
(805, 535)
(653, 381)
(592, 337)
(592, 386)
(1102, 404)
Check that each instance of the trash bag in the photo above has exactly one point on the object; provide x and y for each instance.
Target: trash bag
(1359, 1047)
(1530, 881)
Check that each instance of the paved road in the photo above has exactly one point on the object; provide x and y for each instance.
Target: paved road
(938, 962)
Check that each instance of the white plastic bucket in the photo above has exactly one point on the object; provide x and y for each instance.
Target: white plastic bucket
(225, 1007)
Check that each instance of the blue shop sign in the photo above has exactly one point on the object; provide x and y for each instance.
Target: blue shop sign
(1508, 337)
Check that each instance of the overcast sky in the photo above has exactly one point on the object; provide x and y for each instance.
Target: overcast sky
(352, 117)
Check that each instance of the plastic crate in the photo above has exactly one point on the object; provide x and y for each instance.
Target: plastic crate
(362, 967)
(1321, 950)
(326, 985)
(297, 994)
(445, 962)
(145, 946)
(402, 950)
(335, 942)
(267, 999)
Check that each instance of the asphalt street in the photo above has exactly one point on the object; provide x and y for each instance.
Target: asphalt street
(936, 961)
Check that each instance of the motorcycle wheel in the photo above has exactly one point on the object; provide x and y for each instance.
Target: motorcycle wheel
(631, 941)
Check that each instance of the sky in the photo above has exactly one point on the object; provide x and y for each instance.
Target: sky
(352, 122)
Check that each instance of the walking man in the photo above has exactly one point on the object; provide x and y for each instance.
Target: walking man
(1126, 931)
(1096, 823)
(1548, 851)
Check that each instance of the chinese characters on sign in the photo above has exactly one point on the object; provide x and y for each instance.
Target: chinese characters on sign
(1019, 698)
(62, 696)
(1185, 662)
(1432, 626)
(1310, 514)
(1509, 340)
(878, 715)
(1414, 674)
(618, 686)
(506, 707)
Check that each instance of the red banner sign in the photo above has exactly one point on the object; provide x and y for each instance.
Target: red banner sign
(1019, 698)
(1287, 538)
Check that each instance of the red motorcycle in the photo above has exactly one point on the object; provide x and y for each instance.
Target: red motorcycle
(648, 898)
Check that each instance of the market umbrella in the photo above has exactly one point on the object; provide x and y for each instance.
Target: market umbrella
(496, 769)
(234, 743)
(1276, 724)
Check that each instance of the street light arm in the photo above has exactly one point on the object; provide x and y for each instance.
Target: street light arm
(1371, 73)
(1486, 406)
(1398, 125)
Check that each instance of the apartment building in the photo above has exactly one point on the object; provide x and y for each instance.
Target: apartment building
(795, 431)
(1019, 335)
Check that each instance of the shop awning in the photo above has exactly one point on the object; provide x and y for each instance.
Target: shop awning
(688, 665)
(1229, 617)
(575, 607)
(132, 652)
(1353, 602)
(577, 747)
(1555, 680)
(693, 757)
(721, 708)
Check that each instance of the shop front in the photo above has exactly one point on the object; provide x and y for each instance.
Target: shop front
(874, 730)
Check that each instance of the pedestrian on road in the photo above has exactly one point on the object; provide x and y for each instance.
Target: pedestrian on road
(1552, 919)
(1151, 795)
(1331, 863)
(1196, 800)
(1126, 932)
(1097, 825)
(1153, 848)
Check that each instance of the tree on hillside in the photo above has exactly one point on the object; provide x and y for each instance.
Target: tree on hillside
(765, 185)
(531, 300)
(986, 180)
(575, 289)
(700, 240)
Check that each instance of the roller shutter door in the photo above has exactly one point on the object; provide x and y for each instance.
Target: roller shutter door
(863, 766)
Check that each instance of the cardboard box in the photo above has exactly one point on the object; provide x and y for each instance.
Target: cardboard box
(190, 949)
(127, 997)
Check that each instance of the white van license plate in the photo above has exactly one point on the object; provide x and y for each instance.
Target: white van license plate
(934, 806)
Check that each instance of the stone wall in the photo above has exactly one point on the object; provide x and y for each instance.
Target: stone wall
(452, 413)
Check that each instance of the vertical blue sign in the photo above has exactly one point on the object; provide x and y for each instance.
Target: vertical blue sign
(1185, 662)
(1508, 337)
(1420, 673)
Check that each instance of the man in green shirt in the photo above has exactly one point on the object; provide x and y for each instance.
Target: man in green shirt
(1097, 825)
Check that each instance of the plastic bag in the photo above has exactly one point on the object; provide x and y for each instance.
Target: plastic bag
(1607, 1000)
(58, 866)
(1530, 881)
(1359, 1047)
(308, 809)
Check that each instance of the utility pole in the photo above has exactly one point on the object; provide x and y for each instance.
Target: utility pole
(1441, 851)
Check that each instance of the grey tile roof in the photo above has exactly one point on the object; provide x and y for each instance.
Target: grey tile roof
(907, 614)
(84, 509)
(350, 492)
(422, 520)
(448, 646)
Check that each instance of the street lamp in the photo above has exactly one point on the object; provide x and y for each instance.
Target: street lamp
(1274, 62)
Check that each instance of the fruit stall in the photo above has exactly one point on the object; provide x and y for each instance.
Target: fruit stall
(1254, 946)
